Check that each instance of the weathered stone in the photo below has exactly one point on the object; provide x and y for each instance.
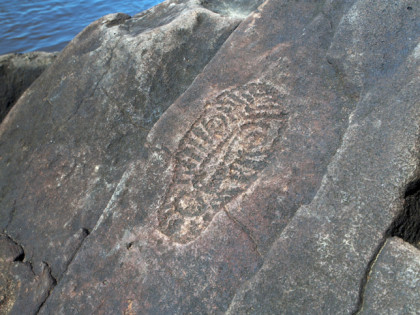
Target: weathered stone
(269, 177)
(318, 262)
(9, 250)
(66, 144)
(17, 72)
(394, 281)
(18, 281)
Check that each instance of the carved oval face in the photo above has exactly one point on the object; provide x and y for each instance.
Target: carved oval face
(219, 158)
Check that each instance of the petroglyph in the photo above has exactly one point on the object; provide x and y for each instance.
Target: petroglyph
(220, 156)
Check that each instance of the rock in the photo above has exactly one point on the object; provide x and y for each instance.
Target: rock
(394, 281)
(318, 262)
(87, 117)
(191, 165)
(18, 280)
(17, 72)
(9, 251)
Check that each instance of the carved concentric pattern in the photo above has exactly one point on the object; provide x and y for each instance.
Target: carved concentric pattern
(220, 156)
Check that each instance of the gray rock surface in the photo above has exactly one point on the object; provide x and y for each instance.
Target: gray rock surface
(209, 157)
(394, 280)
(317, 263)
(17, 72)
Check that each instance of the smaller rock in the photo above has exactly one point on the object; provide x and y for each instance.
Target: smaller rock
(9, 250)
(17, 72)
(19, 281)
(22, 291)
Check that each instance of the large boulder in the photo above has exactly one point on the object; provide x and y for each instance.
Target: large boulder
(212, 156)
(17, 72)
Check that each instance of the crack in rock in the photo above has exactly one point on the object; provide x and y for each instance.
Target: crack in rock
(366, 277)
(405, 226)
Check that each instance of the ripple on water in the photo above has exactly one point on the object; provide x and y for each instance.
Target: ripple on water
(49, 25)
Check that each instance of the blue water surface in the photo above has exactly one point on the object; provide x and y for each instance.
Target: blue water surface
(48, 25)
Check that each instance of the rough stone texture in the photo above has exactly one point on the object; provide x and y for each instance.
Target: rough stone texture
(9, 251)
(317, 263)
(101, 97)
(394, 281)
(18, 281)
(17, 72)
(65, 146)
(181, 171)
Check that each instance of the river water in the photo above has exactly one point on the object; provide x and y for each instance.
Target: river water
(48, 25)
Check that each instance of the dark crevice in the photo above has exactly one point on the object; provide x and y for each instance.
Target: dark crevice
(86, 231)
(412, 188)
(407, 223)
(20, 258)
(129, 245)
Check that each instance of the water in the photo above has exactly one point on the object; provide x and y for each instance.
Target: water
(48, 25)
